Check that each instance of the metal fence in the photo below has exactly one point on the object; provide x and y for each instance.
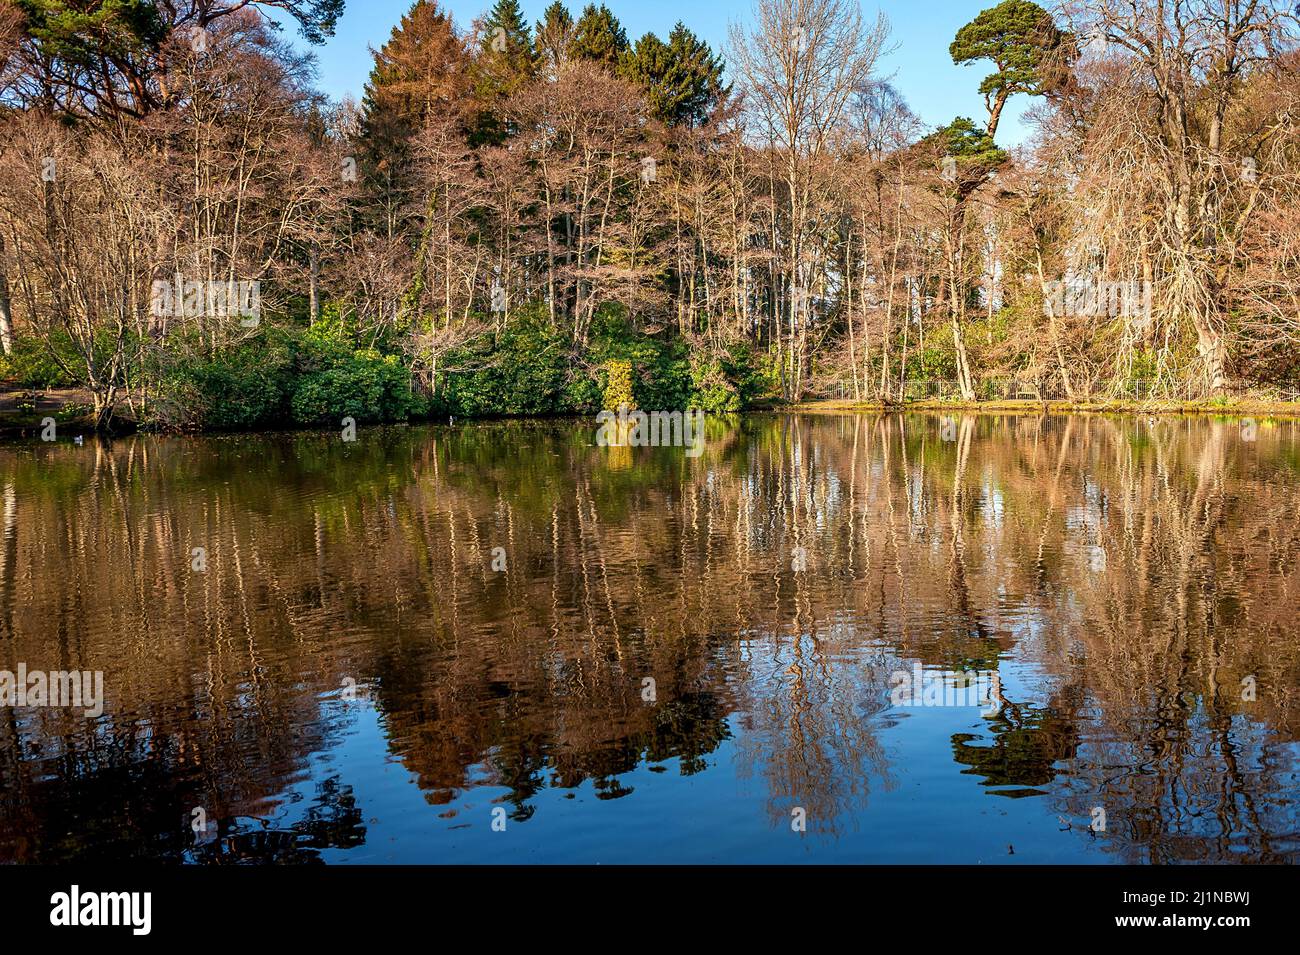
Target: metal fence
(1026, 388)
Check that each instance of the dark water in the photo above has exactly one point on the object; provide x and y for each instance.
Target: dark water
(351, 681)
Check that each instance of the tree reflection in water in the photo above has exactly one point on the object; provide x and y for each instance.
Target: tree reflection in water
(1130, 573)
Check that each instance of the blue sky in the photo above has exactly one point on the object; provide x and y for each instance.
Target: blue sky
(920, 65)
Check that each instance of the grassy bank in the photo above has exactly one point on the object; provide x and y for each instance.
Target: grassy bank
(22, 411)
(1242, 407)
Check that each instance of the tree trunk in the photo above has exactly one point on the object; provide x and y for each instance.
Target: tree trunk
(6, 314)
(313, 292)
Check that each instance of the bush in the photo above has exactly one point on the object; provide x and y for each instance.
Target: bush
(936, 362)
(525, 370)
(712, 390)
(317, 376)
(618, 389)
(661, 379)
(238, 388)
(32, 364)
(281, 377)
(736, 380)
(336, 381)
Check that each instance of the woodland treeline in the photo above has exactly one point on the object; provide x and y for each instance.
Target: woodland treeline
(512, 209)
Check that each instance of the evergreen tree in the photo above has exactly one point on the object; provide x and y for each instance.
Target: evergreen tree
(1023, 41)
(599, 37)
(507, 45)
(419, 71)
(505, 63)
(552, 36)
(964, 140)
(682, 78)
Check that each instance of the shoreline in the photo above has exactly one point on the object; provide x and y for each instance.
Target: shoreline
(16, 425)
(1232, 408)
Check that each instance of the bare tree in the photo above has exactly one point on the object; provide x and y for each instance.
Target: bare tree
(86, 230)
(799, 64)
(1179, 73)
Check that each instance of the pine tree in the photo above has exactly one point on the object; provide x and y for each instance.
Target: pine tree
(599, 37)
(506, 62)
(1023, 41)
(507, 44)
(420, 71)
(704, 70)
(682, 78)
(553, 35)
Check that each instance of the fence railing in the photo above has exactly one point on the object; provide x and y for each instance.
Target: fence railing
(1018, 388)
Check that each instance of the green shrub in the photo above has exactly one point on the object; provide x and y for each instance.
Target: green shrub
(712, 390)
(336, 381)
(318, 376)
(239, 388)
(618, 387)
(934, 363)
(662, 369)
(750, 376)
(32, 364)
(525, 370)
(282, 376)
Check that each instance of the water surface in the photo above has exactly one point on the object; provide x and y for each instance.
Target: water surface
(636, 656)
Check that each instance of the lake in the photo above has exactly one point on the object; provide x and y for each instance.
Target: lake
(826, 638)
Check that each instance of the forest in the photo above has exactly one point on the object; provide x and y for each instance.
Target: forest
(553, 218)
